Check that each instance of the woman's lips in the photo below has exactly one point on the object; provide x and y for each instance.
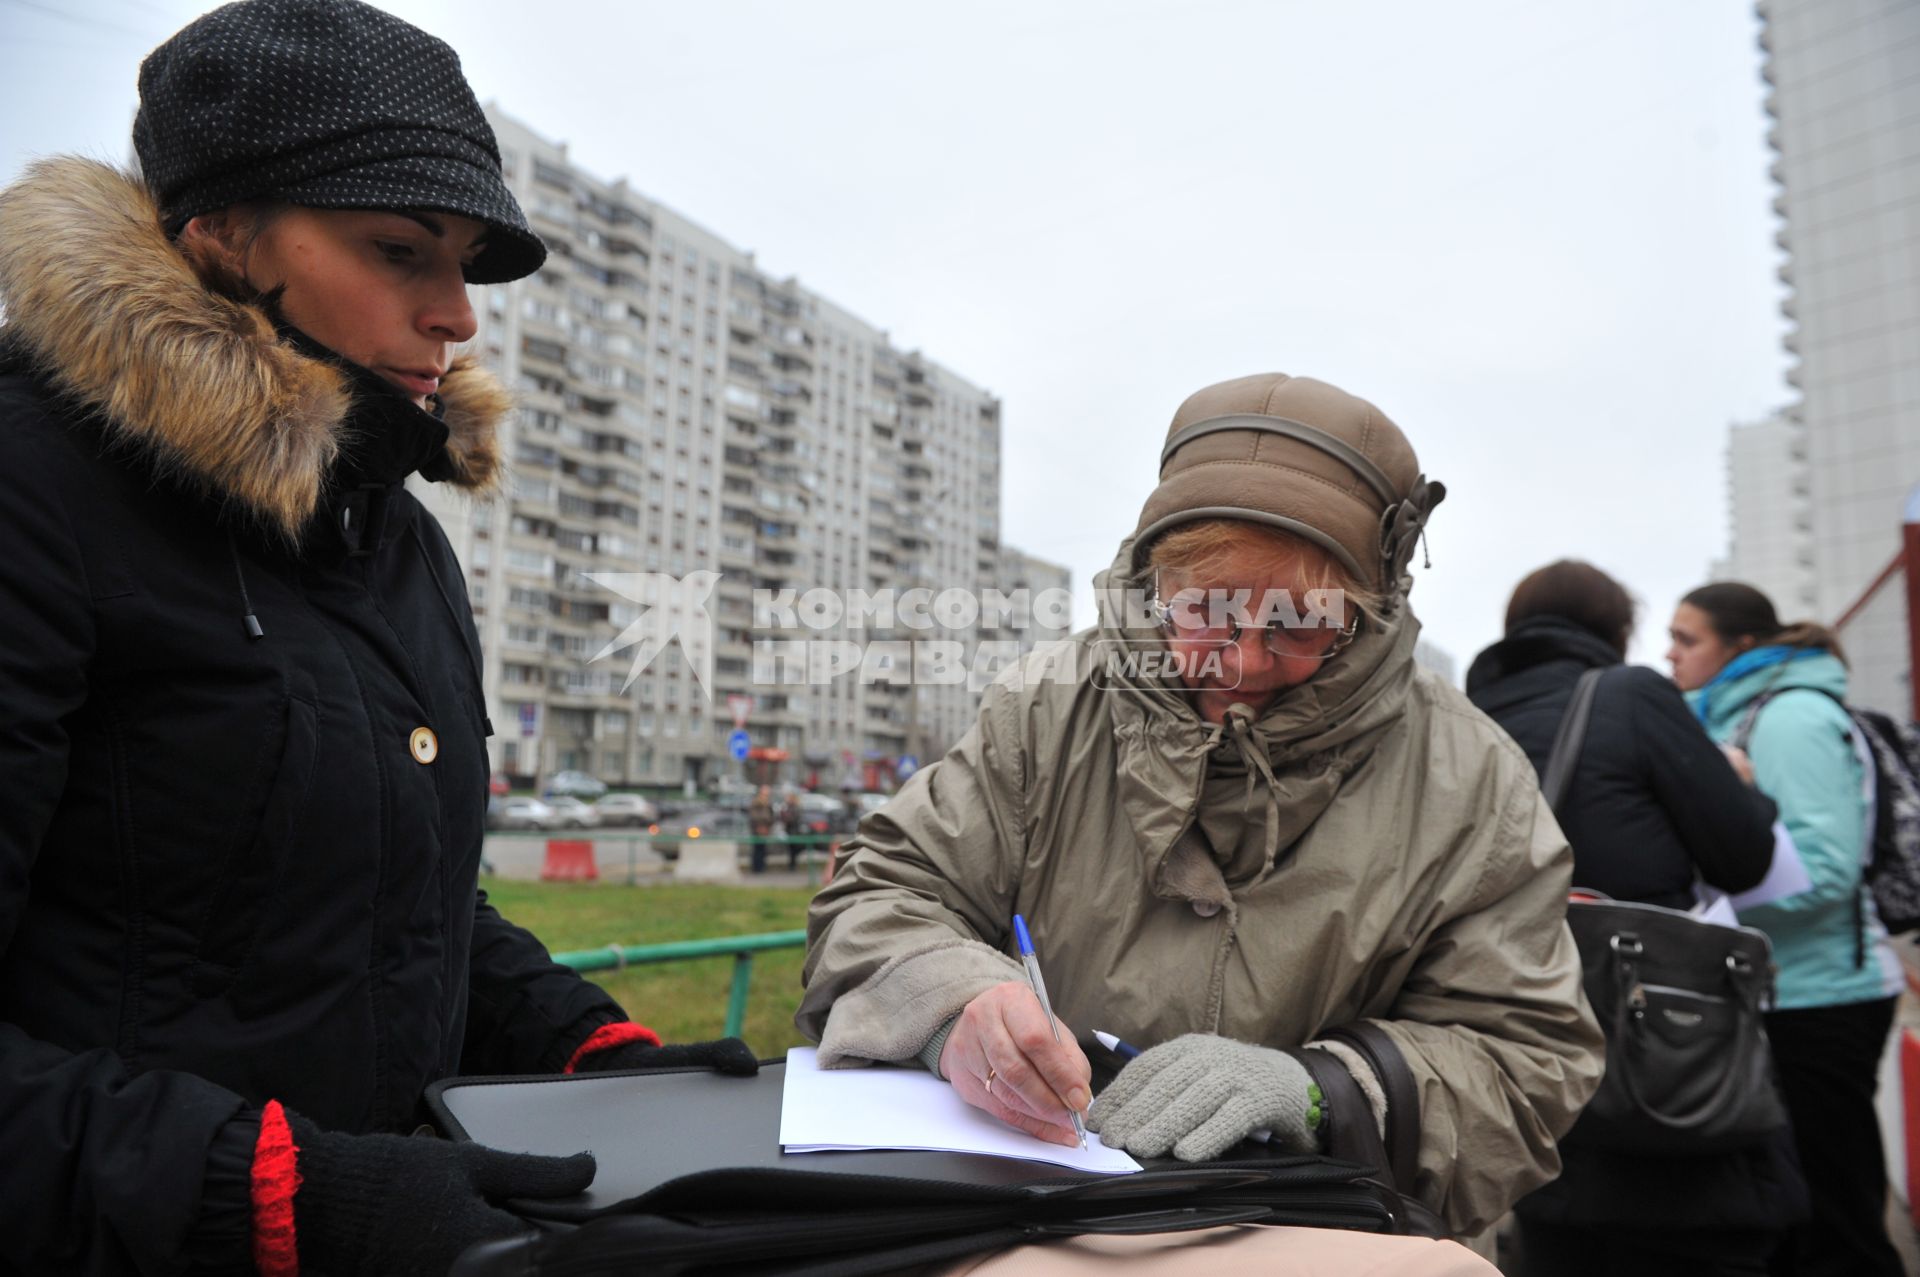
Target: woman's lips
(417, 382)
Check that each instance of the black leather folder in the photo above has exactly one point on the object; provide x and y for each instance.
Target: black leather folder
(691, 1179)
(650, 1128)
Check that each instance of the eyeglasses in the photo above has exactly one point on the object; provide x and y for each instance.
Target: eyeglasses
(1188, 617)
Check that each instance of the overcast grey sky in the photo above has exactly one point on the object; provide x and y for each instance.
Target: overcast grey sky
(1536, 233)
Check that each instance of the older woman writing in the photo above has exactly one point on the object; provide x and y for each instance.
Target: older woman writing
(1286, 828)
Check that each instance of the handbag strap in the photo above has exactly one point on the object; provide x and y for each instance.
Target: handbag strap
(1402, 1092)
(1568, 741)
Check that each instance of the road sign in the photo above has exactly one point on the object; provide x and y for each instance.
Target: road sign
(529, 718)
(906, 767)
(738, 743)
(741, 704)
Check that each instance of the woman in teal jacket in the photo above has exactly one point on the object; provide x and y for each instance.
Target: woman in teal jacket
(1782, 687)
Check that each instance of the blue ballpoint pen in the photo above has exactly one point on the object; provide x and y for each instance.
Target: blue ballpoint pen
(1046, 1007)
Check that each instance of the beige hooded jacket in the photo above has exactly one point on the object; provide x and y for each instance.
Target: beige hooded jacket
(1375, 849)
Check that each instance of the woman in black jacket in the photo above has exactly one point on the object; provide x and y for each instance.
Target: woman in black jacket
(1653, 805)
(242, 734)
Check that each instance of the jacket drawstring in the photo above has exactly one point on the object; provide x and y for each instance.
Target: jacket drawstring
(247, 617)
(1252, 745)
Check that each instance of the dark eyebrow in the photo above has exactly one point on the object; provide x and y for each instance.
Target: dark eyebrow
(439, 231)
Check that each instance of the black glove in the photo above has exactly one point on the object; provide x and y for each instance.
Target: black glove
(380, 1204)
(725, 1055)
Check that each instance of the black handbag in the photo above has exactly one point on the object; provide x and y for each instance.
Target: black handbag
(1689, 1068)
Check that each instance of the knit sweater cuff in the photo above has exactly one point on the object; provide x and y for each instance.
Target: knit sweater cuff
(930, 1053)
(275, 1179)
(606, 1036)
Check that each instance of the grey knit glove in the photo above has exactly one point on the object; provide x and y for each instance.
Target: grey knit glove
(1199, 1095)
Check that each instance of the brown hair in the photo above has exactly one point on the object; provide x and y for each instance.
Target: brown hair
(221, 261)
(1737, 611)
(1203, 545)
(1577, 592)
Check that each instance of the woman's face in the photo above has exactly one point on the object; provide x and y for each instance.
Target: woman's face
(385, 290)
(1697, 652)
(1247, 670)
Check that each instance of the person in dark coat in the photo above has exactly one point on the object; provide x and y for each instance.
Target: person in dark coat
(1653, 805)
(794, 825)
(242, 731)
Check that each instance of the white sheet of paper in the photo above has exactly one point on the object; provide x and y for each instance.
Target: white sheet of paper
(1714, 907)
(1786, 876)
(827, 1110)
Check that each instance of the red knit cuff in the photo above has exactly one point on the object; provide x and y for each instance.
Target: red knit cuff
(275, 1179)
(611, 1035)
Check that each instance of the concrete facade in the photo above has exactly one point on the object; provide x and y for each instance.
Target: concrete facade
(683, 412)
(1844, 98)
(1771, 514)
(1042, 594)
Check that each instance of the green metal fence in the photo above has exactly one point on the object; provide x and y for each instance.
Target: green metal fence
(616, 957)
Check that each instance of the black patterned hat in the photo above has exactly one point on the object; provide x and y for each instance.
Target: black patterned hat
(325, 104)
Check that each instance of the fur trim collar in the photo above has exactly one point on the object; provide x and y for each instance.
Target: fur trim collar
(104, 303)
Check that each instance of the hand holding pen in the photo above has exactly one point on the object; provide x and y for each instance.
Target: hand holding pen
(1003, 1057)
(1032, 963)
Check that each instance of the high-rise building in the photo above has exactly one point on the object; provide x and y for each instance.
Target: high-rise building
(1846, 109)
(1771, 514)
(1040, 600)
(1433, 657)
(686, 414)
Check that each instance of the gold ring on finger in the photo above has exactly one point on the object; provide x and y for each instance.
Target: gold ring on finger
(990, 1076)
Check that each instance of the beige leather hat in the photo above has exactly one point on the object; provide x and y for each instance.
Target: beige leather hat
(1301, 455)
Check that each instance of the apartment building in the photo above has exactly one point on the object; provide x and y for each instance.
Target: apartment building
(707, 436)
(1040, 600)
(1845, 109)
(1770, 511)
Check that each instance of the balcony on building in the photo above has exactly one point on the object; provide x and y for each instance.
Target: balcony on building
(792, 362)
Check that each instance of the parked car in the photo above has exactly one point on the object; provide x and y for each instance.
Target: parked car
(711, 822)
(626, 809)
(571, 813)
(498, 785)
(822, 814)
(520, 813)
(870, 803)
(574, 785)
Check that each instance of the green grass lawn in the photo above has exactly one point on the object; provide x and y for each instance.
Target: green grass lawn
(682, 1001)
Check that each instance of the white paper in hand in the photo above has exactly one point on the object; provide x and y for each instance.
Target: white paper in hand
(1786, 876)
(828, 1110)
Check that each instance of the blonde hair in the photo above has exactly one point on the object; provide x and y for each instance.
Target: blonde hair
(1205, 546)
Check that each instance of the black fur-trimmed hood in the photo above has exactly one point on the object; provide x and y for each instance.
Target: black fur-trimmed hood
(102, 301)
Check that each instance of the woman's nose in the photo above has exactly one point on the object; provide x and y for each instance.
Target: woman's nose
(449, 315)
(1254, 654)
